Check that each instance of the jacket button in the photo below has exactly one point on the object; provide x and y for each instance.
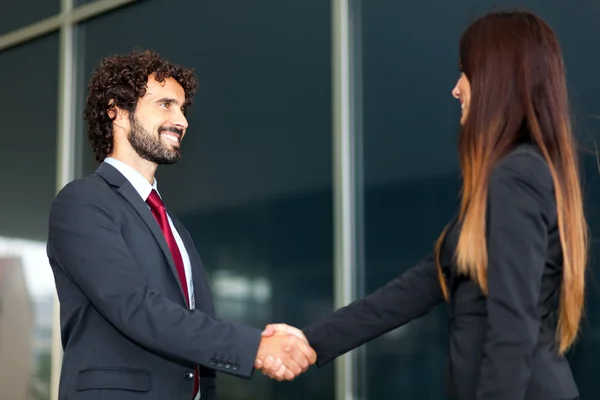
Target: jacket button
(188, 375)
(236, 367)
(212, 361)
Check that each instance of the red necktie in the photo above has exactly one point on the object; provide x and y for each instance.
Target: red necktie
(160, 213)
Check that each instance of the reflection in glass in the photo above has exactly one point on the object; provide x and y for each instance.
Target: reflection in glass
(26, 296)
(411, 169)
(411, 178)
(28, 176)
(82, 2)
(18, 14)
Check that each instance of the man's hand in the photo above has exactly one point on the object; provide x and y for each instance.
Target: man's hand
(272, 329)
(284, 352)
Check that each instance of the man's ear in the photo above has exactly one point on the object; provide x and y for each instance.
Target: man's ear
(119, 117)
(115, 113)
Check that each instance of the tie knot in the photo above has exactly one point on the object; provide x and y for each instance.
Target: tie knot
(154, 200)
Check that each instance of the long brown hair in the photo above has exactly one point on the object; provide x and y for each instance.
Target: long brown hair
(514, 64)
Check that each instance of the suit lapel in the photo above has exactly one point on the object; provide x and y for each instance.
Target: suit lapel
(199, 278)
(128, 192)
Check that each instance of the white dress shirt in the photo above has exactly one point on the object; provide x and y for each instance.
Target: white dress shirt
(144, 188)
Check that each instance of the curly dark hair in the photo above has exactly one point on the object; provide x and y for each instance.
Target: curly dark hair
(123, 79)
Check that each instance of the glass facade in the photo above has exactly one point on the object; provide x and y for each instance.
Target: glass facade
(255, 187)
(411, 175)
(19, 14)
(410, 178)
(82, 2)
(27, 155)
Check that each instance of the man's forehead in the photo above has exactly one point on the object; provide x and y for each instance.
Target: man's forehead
(168, 86)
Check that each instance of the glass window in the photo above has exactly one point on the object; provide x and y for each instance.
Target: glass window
(254, 188)
(411, 173)
(82, 2)
(18, 14)
(28, 176)
(410, 179)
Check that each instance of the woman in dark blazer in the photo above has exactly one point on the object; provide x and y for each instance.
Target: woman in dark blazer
(511, 264)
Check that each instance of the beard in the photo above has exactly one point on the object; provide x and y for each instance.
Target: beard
(150, 147)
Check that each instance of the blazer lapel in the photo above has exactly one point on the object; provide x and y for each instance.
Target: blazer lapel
(128, 192)
(201, 288)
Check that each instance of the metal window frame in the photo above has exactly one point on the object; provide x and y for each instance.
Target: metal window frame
(347, 181)
(347, 154)
(68, 16)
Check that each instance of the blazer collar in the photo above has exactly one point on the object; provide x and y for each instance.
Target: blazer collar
(114, 178)
(111, 175)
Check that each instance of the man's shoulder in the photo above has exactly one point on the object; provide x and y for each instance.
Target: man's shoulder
(91, 187)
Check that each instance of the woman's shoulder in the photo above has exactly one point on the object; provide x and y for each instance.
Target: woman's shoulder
(524, 163)
(522, 176)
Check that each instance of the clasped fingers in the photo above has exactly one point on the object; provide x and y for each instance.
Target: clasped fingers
(284, 357)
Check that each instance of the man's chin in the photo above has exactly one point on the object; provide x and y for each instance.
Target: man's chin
(170, 160)
(166, 160)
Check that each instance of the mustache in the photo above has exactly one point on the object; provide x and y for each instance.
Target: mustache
(171, 129)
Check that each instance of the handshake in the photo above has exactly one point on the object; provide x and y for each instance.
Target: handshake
(284, 352)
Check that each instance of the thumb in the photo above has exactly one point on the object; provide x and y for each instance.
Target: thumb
(272, 329)
(269, 330)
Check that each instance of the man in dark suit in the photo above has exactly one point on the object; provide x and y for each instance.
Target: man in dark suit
(137, 317)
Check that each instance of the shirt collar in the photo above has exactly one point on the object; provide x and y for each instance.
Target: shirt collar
(139, 183)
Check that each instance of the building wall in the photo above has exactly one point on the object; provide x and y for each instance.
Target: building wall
(256, 187)
(16, 330)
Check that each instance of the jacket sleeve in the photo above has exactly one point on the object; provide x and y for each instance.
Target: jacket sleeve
(520, 201)
(409, 296)
(86, 243)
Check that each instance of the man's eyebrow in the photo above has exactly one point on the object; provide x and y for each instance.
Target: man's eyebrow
(168, 100)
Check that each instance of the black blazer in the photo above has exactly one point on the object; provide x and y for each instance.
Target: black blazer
(126, 330)
(502, 347)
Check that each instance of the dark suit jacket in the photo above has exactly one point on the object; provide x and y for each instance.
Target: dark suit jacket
(502, 347)
(126, 330)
